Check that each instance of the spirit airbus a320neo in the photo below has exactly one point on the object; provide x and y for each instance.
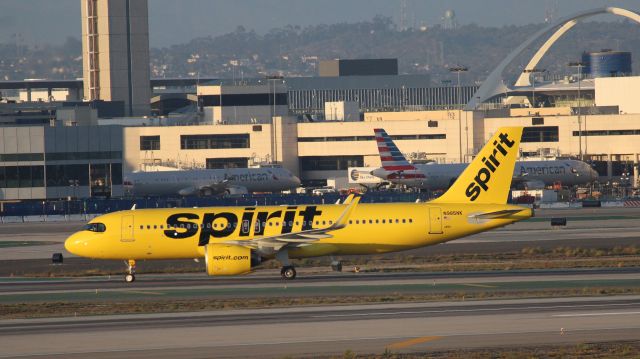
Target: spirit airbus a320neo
(233, 240)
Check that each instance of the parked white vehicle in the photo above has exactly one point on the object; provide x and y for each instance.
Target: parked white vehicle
(323, 190)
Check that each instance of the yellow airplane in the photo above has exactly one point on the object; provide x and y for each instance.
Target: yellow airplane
(233, 240)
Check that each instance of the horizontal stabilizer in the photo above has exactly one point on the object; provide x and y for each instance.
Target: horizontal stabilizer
(497, 214)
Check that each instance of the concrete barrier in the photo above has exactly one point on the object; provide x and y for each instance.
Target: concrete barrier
(556, 205)
(611, 204)
(77, 217)
(56, 218)
(33, 218)
(12, 219)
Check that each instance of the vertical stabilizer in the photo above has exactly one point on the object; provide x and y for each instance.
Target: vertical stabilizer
(390, 156)
(488, 178)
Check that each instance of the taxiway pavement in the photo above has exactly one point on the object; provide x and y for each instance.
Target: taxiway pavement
(299, 331)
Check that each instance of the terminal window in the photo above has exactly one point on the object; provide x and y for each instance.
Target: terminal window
(198, 142)
(261, 99)
(235, 162)
(540, 134)
(330, 163)
(149, 143)
(21, 176)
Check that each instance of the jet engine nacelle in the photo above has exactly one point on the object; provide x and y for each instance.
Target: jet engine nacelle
(236, 190)
(229, 259)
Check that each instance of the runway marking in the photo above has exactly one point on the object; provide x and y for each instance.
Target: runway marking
(479, 285)
(479, 310)
(412, 342)
(142, 292)
(593, 314)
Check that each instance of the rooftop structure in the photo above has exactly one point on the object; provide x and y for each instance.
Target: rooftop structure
(115, 46)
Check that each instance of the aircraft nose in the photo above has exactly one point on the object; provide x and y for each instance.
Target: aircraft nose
(75, 244)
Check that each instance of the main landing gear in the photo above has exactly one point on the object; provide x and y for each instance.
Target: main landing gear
(287, 272)
(131, 271)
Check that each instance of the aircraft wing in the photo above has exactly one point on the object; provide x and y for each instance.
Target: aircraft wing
(311, 235)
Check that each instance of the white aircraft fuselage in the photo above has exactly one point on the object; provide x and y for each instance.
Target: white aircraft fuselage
(440, 176)
(211, 181)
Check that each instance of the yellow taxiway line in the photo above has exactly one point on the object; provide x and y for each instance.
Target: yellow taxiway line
(411, 342)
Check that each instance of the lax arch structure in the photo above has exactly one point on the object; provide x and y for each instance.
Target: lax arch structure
(494, 84)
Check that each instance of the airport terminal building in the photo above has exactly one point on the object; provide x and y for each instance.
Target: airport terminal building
(317, 127)
(45, 162)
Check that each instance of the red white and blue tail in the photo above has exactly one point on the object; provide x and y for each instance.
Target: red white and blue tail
(394, 164)
(391, 158)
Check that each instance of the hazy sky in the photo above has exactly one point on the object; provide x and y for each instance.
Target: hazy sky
(173, 22)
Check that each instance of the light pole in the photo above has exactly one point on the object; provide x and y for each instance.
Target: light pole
(579, 65)
(274, 134)
(458, 70)
(533, 71)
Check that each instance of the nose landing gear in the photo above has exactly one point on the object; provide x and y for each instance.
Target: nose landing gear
(131, 271)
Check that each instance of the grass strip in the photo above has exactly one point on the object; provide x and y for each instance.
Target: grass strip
(614, 349)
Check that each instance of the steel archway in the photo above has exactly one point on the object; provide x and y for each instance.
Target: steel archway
(494, 84)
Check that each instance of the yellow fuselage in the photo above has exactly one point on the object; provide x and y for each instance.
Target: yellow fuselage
(372, 228)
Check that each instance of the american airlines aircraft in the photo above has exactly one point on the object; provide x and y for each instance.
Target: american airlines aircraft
(533, 174)
(211, 181)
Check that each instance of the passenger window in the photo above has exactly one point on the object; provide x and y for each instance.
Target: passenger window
(397, 220)
(377, 221)
(141, 227)
(410, 220)
(323, 223)
(148, 226)
(350, 222)
(404, 220)
(357, 221)
(330, 222)
(370, 221)
(161, 226)
(155, 226)
(297, 223)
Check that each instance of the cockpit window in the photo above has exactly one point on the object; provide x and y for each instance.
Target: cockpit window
(95, 227)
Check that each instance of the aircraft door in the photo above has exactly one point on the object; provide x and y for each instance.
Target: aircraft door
(127, 229)
(435, 220)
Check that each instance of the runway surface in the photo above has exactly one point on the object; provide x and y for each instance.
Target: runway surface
(403, 327)
(271, 279)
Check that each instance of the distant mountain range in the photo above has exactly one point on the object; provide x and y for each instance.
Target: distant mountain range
(295, 51)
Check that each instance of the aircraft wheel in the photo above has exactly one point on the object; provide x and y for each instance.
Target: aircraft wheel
(288, 272)
(129, 278)
(336, 267)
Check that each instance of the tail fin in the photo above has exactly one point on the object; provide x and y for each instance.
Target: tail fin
(488, 178)
(391, 158)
